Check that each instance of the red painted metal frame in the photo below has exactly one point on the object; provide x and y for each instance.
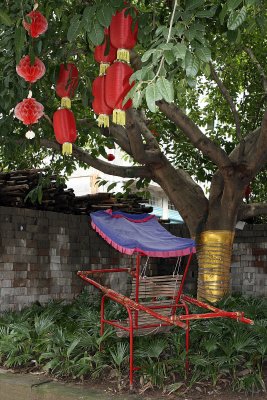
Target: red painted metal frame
(133, 308)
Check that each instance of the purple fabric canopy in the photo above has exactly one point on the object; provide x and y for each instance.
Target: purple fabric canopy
(141, 233)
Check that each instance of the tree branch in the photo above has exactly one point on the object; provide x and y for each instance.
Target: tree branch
(195, 135)
(259, 67)
(229, 100)
(103, 166)
(252, 210)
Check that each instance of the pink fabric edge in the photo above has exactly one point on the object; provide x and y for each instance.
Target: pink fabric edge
(110, 212)
(125, 250)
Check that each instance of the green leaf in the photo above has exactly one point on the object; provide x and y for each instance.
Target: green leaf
(96, 35)
(169, 56)
(111, 186)
(233, 4)
(223, 13)
(88, 17)
(74, 28)
(191, 66)
(130, 94)
(152, 95)
(137, 98)
(165, 88)
(203, 53)
(191, 4)
(5, 18)
(207, 13)
(19, 39)
(180, 50)
(236, 18)
(147, 55)
(135, 76)
(104, 15)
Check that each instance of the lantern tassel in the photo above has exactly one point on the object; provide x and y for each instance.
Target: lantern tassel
(66, 102)
(67, 148)
(119, 117)
(103, 120)
(103, 68)
(123, 55)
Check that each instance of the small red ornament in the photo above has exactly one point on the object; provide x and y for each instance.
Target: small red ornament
(99, 105)
(67, 83)
(116, 88)
(110, 157)
(65, 129)
(123, 35)
(29, 111)
(30, 72)
(38, 24)
(105, 59)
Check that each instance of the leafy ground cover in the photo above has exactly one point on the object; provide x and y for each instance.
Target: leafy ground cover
(63, 341)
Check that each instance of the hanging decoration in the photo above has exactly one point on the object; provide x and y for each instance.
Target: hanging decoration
(63, 119)
(99, 104)
(30, 72)
(29, 111)
(116, 88)
(37, 25)
(67, 83)
(123, 34)
(100, 53)
(65, 129)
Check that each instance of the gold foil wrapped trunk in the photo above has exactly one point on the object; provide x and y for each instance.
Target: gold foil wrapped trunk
(214, 261)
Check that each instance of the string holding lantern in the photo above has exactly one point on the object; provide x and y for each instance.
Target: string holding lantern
(100, 53)
(99, 104)
(122, 35)
(64, 125)
(38, 24)
(67, 83)
(30, 72)
(117, 86)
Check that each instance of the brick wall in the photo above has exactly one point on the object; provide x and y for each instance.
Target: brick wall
(40, 253)
(249, 267)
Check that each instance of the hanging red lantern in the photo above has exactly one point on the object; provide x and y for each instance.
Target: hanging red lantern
(105, 59)
(116, 88)
(99, 105)
(38, 24)
(30, 72)
(29, 111)
(65, 129)
(123, 35)
(110, 157)
(67, 83)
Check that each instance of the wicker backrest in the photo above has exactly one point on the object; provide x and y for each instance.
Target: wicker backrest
(156, 286)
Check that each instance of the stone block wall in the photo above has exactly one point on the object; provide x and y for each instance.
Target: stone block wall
(249, 262)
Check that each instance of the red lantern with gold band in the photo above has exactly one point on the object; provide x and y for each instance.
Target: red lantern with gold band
(65, 129)
(123, 35)
(99, 105)
(116, 88)
(67, 83)
(100, 53)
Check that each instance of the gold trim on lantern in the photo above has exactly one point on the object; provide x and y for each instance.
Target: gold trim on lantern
(103, 68)
(66, 102)
(123, 55)
(67, 148)
(103, 120)
(214, 261)
(118, 117)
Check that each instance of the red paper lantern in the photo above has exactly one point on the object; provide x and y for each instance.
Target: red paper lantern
(38, 24)
(99, 105)
(29, 111)
(122, 36)
(67, 83)
(116, 88)
(110, 157)
(105, 59)
(30, 72)
(65, 129)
